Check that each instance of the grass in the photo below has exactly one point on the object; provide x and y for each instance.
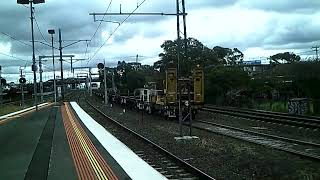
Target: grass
(274, 106)
(9, 108)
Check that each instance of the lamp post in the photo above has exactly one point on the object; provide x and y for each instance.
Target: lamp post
(52, 32)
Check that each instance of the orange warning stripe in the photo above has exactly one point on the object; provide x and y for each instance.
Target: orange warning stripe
(88, 161)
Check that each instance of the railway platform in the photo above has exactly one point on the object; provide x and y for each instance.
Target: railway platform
(64, 142)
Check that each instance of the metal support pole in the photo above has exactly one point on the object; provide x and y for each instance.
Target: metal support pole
(90, 82)
(185, 32)
(72, 67)
(41, 83)
(54, 72)
(178, 68)
(113, 84)
(190, 108)
(105, 84)
(61, 65)
(21, 89)
(34, 69)
(0, 87)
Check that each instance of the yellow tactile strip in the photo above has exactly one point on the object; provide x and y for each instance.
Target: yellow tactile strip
(88, 161)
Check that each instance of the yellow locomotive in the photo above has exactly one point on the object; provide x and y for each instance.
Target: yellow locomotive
(165, 101)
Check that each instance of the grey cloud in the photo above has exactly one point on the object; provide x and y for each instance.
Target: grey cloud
(283, 6)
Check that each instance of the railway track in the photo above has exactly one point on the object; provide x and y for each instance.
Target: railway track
(301, 148)
(280, 118)
(298, 147)
(171, 166)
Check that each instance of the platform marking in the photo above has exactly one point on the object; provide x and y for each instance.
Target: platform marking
(81, 145)
(7, 118)
(104, 164)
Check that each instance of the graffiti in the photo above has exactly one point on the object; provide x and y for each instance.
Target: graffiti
(298, 106)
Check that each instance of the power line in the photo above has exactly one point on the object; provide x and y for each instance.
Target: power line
(115, 31)
(101, 21)
(8, 55)
(94, 34)
(40, 30)
(20, 41)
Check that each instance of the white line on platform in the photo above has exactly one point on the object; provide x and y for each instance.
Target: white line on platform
(131, 163)
(21, 111)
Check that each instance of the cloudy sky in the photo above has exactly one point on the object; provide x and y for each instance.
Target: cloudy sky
(259, 28)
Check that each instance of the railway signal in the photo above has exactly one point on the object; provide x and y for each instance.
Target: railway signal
(100, 67)
(22, 80)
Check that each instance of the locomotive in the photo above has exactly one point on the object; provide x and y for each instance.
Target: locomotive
(165, 101)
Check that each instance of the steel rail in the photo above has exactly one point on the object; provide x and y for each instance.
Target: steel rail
(292, 151)
(308, 123)
(185, 164)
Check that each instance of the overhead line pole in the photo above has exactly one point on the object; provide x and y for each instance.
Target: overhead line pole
(186, 59)
(316, 50)
(41, 83)
(0, 86)
(61, 65)
(105, 83)
(178, 67)
(34, 68)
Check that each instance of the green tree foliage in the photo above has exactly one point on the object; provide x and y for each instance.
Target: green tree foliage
(227, 55)
(197, 53)
(305, 77)
(286, 56)
(222, 79)
(135, 79)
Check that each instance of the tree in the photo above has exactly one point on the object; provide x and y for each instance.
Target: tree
(221, 80)
(286, 56)
(227, 55)
(197, 53)
(135, 79)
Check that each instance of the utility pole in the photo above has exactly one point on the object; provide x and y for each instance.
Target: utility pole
(0, 86)
(34, 67)
(90, 82)
(52, 32)
(315, 48)
(61, 65)
(41, 82)
(178, 67)
(21, 89)
(72, 68)
(105, 84)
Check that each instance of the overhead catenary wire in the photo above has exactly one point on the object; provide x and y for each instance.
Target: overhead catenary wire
(96, 52)
(20, 41)
(40, 30)
(94, 34)
(14, 57)
(101, 21)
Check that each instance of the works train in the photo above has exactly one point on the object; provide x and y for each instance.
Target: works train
(165, 101)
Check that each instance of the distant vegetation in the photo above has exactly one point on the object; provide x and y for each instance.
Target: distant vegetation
(226, 82)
